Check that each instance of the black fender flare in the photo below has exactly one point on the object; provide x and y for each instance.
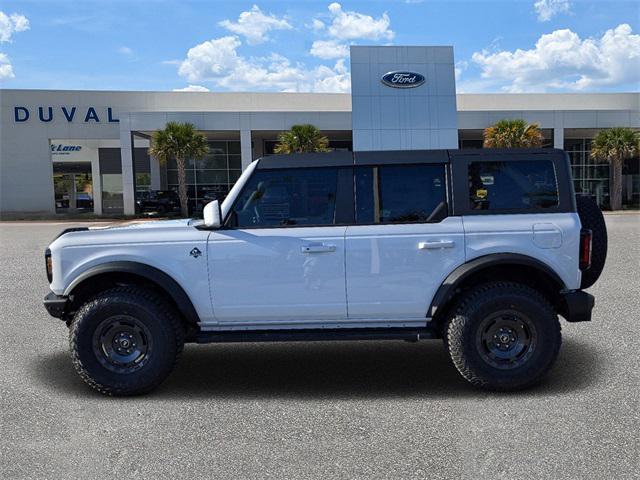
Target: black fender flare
(152, 274)
(447, 289)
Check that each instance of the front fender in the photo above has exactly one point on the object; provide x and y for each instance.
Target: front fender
(152, 274)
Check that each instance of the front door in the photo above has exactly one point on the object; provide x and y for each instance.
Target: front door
(281, 261)
(404, 244)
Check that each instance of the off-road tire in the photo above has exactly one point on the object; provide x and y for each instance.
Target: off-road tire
(465, 322)
(154, 314)
(591, 217)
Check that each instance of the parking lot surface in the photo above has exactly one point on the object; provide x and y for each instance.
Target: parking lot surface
(320, 410)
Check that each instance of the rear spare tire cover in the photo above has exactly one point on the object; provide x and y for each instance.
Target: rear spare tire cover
(591, 217)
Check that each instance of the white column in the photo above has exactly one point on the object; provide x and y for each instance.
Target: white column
(154, 165)
(96, 184)
(126, 156)
(245, 148)
(558, 137)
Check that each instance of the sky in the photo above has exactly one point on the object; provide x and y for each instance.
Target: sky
(157, 45)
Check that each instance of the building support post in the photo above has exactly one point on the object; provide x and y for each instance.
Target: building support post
(96, 184)
(246, 153)
(558, 135)
(126, 156)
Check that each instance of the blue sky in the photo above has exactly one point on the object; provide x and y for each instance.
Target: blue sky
(500, 46)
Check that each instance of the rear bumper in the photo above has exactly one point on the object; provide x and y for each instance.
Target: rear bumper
(577, 306)
(56, 305)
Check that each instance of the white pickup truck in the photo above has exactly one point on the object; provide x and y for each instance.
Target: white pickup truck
(481, 248)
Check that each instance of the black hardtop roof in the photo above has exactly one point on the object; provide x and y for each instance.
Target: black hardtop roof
(390, 157)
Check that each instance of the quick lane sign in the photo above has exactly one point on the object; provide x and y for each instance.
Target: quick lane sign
(62, 149)
(47, 114)
(402, 79)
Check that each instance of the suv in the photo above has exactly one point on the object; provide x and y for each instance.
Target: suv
(161, 202)
(481, 248)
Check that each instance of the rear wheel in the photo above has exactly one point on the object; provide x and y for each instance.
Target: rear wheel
(503, 336)
(125, 341)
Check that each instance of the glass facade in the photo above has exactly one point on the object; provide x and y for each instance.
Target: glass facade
(112, 201)
(211, 176)
(73, 187)
(589, 176)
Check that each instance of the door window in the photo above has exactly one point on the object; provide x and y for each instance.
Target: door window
(287, 197)
(400, 194)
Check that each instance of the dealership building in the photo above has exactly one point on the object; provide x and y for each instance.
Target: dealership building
(78, 151)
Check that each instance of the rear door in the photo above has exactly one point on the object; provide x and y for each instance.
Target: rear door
(403, 245)
(521, 203)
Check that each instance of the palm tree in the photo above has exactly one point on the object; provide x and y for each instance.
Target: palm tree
(615, 145)
(302, 139)
(513, 134)
(182, 142)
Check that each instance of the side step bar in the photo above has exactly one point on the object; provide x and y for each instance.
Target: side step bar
(318, 335)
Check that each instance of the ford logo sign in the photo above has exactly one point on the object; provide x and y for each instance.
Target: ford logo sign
(402, 79)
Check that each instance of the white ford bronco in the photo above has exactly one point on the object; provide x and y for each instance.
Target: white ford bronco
(481, 248)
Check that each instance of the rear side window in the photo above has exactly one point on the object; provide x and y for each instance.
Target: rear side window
(512, 185)
(303, 196)
(400, 194)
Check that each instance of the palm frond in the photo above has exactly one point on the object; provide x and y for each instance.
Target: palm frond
(513, 134)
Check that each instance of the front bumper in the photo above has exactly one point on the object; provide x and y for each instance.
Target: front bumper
(577, 306)
(56, 305)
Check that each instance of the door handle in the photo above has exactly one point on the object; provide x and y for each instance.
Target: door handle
(435, 245)
(318, 248)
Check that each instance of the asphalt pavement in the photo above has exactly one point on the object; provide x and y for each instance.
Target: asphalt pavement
(320, 410)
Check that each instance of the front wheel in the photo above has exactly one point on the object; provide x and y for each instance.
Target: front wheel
(125, 341)
(503, 336)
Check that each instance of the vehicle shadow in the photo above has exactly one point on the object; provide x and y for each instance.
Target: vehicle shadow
(365, 370)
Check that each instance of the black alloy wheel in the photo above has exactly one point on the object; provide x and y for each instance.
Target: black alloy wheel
(122, 344)
(506, 339)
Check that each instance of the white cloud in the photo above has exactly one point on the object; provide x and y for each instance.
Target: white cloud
(317, 25)
(125, 51)
(562, 60)
(332, 80)
(192, 88)
(10, 24)
(346, 25)
(328, 49)
(219, 62)
(210, 59)
(6, 69)
(546, 9)
(254, 25)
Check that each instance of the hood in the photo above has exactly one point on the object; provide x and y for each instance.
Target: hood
(130, 232)
(152, 224)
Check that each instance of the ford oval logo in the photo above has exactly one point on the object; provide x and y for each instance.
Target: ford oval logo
(402, 79)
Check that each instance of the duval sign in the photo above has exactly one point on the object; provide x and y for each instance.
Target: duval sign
(66, 113)
(401, 79)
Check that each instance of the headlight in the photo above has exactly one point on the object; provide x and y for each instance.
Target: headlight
(48, 264)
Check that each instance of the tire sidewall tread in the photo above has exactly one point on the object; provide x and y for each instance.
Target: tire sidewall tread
(461, 330)
(157, 315)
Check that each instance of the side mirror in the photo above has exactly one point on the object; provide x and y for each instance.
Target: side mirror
(212, 214)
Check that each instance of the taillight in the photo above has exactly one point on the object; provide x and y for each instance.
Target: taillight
(586, 236)
(48, 264)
